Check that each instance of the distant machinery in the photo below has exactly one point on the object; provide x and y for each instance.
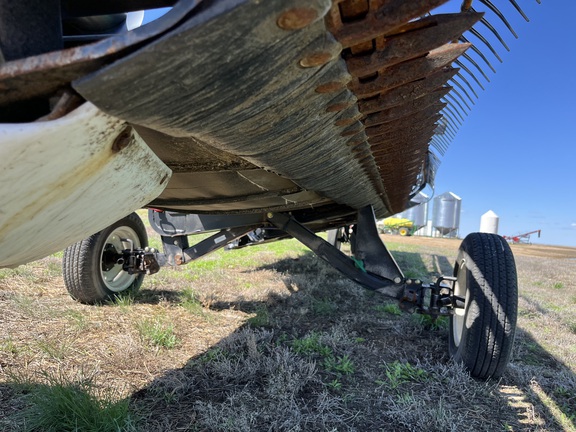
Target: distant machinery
(396, 225)
(414, 221)
(446, 215)
(521, 238)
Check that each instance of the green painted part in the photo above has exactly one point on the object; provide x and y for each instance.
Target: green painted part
(359, 264)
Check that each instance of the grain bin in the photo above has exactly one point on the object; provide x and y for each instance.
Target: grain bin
(446, 214)
(418, 213)
(489, 222)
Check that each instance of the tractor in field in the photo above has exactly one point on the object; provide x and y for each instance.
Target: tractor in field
(395, 225)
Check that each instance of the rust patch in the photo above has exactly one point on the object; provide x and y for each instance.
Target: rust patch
(316, 59)
(347, 121)
(297, 18)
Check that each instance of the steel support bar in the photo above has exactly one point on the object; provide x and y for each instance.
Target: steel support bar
(211, 244)
(353, 269)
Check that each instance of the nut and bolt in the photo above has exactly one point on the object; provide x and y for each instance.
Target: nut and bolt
(316, 59)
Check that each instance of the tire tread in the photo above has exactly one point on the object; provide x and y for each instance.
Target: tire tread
(487, 346)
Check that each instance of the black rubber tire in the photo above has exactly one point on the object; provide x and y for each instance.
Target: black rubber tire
(82, 267)
(482, 335)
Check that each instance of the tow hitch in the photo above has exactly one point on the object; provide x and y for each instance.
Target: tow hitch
(435, 299)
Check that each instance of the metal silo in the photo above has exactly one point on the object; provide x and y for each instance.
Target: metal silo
(489, 222)
(419, 212)
(446, 214)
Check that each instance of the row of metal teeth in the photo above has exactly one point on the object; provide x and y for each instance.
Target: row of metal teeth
(412, 77)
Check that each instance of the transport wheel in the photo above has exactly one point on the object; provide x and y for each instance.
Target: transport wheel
(403, 231)
(92, 273)
(482, 333)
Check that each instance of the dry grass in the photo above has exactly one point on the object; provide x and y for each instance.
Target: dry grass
(271, 338)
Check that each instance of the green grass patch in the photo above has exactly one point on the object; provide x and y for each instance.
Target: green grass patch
(123, 299)
(70, 406)
(311, 345)
(335, 384)
(190, 300)
(340, 365)
(398, 373)
(157, 333)
(8, 346)
(54, 349)
(390, 309)
(430, 322)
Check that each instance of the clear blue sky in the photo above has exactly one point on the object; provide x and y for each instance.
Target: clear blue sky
(515, 153)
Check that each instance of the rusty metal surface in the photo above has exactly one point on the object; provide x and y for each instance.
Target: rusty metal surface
(434, 31)
(381, 118)
(340, 101)
(400, 67)
(267, 105)
(44, 74)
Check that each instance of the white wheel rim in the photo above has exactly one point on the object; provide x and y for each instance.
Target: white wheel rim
(116, 279)
(459, 317)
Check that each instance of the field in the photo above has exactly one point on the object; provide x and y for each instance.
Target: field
(270, 338)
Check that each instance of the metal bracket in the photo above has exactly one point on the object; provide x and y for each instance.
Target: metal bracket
(179, 256)
(393, 287)
(369, 248)
(177, 251)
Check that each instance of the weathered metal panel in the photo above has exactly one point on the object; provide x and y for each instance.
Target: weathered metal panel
(69, 178)
(247, 85)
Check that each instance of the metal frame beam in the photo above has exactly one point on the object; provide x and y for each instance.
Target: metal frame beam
(374, 267)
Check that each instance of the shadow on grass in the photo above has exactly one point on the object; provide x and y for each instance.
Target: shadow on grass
(326, 299)
(256, 379)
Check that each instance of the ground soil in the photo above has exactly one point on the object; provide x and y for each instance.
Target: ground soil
(536, 250)
(241, 319)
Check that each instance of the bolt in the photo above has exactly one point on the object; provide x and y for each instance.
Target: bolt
(316, 59)
(269, 215)
(178, 259)
(123, 139)
(297, 18)
(397, 280)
